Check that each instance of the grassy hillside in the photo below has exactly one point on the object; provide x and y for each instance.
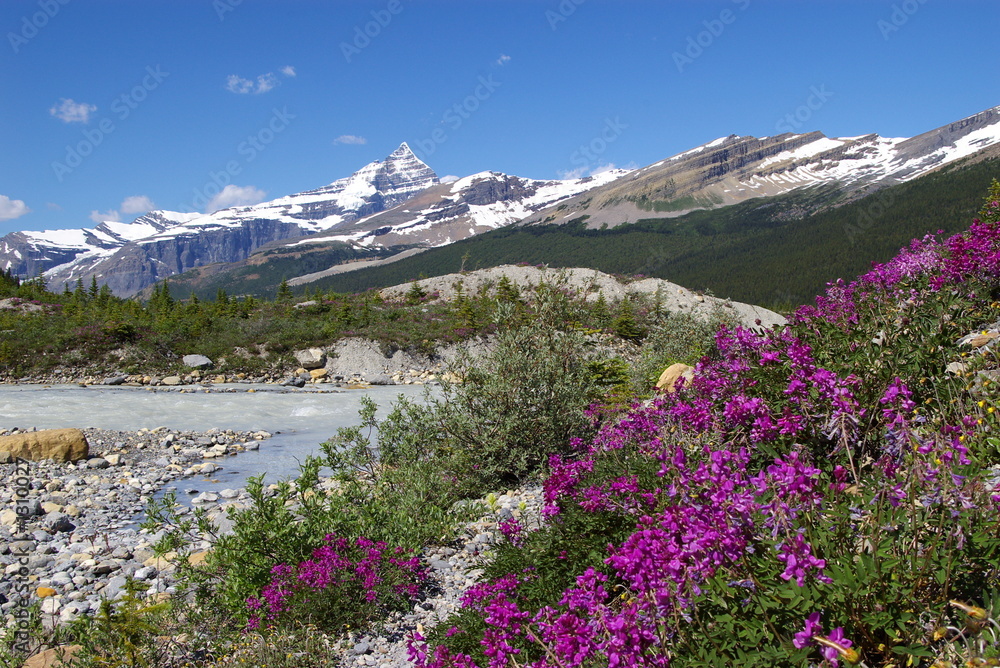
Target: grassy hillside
(765, 251)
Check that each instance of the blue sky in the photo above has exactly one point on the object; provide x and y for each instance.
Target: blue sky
(112, 107)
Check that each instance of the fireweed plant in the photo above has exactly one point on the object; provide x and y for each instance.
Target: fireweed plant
(818, 494)
(374, 577)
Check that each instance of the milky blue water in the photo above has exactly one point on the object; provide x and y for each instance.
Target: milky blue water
(299, 419)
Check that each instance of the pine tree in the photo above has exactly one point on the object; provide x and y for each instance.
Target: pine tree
(990, 213)
(624, 325)
(284, 293)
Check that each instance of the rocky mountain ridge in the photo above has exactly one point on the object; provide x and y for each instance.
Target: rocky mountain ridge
(733, 169)
(392, 208)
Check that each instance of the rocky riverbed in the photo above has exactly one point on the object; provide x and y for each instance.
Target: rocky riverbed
(81, 541)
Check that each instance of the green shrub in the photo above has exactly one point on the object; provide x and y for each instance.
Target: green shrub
(680, 337)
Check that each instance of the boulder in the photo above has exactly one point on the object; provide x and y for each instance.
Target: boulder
(55, 657)
(316, 374)
(60, 445)
(673, 373)
(197, 361)
(115, 380)
(58, 522)
(172, 380)
(310, 358)
(199, 558)
(293, 382)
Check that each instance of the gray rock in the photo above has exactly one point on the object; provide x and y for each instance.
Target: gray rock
(359, 649)
(380, 379)
(98, 463)
(197, 361)
(310, 358)
(59, 522)
(22, 547)
(106, 567)
(115, 380)
(121, 552)
(61, 579)
(114, 587)
(206, 497)
(294, 382)
(145, 573)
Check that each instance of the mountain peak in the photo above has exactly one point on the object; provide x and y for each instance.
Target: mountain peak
(404, 150)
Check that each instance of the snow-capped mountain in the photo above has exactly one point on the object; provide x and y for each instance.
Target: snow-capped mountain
(130, 256)
(400, 203)
(453, 211)
(732, 169)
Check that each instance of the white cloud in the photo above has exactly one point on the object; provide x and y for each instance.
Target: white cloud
(12, 208)
(350, 139)
(239, 85)
(69, 111)
(580, 172)
(53, 206)
(233, 195)
(137, 204)
(450, 178)
(577, 173)
(265, 82)
(503, 59)
(100, 217)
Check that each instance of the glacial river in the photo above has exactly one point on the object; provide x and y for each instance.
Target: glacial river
(299, 419)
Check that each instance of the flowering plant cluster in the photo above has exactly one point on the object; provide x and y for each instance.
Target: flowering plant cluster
(345, 583)
(825, 475)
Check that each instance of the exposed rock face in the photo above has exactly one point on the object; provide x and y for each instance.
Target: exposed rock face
(310, 358)
(591, 283)
(60, 445)
(137, 265)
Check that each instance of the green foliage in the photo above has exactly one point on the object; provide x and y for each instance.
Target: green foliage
(624, 324)
(284, 292)
(397, 497)
(415, 294)
(679, 337)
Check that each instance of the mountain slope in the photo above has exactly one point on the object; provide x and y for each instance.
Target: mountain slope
(734, 169)
(129, 257)
(767, 251)
(437, 216)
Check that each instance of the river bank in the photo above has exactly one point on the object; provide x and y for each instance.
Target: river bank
(80, 542)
